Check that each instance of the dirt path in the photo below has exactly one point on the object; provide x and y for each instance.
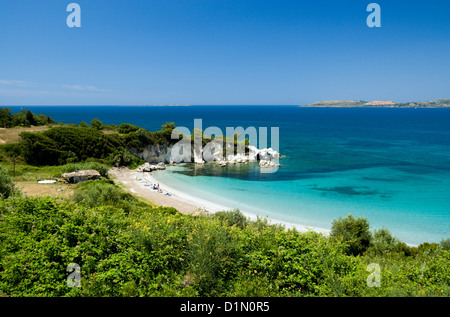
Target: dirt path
(126, 178)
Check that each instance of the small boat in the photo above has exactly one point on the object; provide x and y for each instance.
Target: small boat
(46, 181)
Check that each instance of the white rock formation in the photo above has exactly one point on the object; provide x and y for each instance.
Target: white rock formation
(198, 156)
(160, 166)
(147, 167)
(156, 156)
(267, 163)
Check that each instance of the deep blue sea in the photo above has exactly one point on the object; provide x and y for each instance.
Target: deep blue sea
(389, 165)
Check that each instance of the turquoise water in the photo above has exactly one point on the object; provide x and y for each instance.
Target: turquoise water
(391, 166)
(415, 210)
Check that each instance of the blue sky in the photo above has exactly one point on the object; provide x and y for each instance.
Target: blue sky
(227, 52)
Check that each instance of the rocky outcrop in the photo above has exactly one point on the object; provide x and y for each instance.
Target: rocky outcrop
(263, 154)
(147, 167)
(198, 156)
(254, 154)
(154, 153)
(267, 164)
(156, 156)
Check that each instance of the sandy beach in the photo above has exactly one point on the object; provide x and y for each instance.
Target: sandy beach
(137, 184)
(140, 184)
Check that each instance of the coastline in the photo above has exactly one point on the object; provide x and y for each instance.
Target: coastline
(140, 183)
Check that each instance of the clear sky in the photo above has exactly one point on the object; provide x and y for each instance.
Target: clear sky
(222, 52)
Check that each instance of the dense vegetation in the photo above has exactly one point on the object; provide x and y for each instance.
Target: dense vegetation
(78, 143)
(62, 145)
(73, 143)
(126, 247)
(22, 118)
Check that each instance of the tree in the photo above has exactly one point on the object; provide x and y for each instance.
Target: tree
(5, 117)
(96, 124)
(30, 118)
(41, 119)
(22, 118)
(125, 128)
(383, 242)
(6, 184)
(84, 124)
(168, 126)
(121, 158)
(354, 232)
(231, 218)
(19, 118)
(39, 149)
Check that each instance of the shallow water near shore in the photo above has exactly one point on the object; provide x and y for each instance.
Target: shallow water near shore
(412, 214)
(391, 166)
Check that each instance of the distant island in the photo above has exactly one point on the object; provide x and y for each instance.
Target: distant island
(438, 103)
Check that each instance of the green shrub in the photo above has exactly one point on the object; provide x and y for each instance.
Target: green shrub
(98, 194)
(40, 237)
(212, 255)
(231, 218)
(445, 244)
(382, 242)
(428, 248)
(354, 232)
(6, 184)
(96, 124)
(157, 251)
(125, 128)
(106, 193)
(122, 157)
(167, 210)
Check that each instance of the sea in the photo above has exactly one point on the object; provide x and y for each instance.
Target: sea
(389, 165)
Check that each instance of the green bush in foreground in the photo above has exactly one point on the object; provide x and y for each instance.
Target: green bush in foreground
(105, 193)
(156, 251)
(354, 232)
(231, 218)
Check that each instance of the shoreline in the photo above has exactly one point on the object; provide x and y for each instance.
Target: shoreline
(140, 183)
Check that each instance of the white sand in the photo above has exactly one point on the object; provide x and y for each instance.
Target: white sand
(185, 203)
(147, 178)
